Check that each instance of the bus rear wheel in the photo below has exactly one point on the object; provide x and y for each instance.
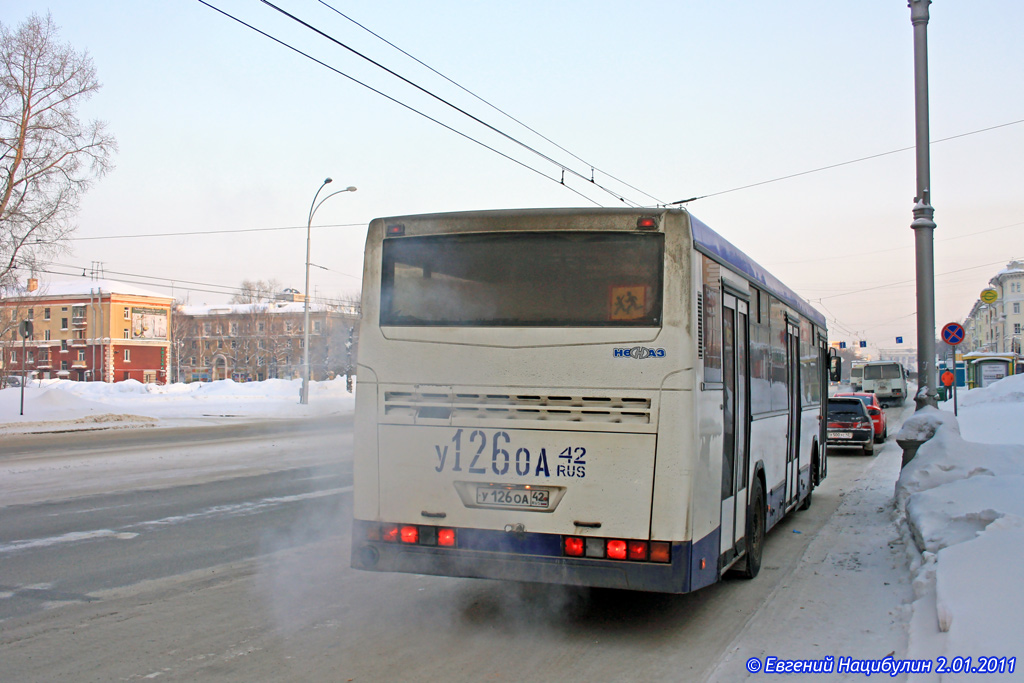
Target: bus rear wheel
(755, 532)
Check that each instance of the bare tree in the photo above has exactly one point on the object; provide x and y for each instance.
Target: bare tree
(49, 157)
(256, 291)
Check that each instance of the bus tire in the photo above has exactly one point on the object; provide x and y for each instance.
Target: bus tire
(755, 531)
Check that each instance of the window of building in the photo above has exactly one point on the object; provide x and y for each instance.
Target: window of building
(234, 344)
(31, 311)
(126, 334)
(79, 334)
(14, 356)
(63, 323)
(31, 357)
(261, 327)
(63, 365)
(127, 313)
(1016, 328)
(287, 325)
(46, 335)
(81, 354)
(220, 343)
(127, 355)
(233, 328)
(316, 326)
(206, 328)
(78, 311)
(220, 329)
(63, 309)
(194, 343)
(46, 314)
(63, 344)
(1016, 308)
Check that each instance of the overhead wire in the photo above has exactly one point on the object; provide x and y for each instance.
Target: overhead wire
(843, 163)
(396, 101)
(442, 100)
(486, 102)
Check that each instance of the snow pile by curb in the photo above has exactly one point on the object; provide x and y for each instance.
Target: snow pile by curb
(960, 506)
(64, 405)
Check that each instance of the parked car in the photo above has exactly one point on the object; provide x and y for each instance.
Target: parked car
(876, 412)
(849, 424)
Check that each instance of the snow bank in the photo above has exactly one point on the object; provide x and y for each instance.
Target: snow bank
(961, 503)
(58, 405)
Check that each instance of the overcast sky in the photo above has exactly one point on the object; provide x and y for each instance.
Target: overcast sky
(222, 129)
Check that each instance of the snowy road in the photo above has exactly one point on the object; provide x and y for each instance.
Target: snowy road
(282, 604)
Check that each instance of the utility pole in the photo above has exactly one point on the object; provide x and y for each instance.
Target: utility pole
(923, 225)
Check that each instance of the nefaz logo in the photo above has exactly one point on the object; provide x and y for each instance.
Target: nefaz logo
(639, 352)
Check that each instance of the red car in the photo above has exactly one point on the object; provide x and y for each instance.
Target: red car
(876, 412)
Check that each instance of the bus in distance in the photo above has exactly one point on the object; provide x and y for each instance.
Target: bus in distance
(613, 398)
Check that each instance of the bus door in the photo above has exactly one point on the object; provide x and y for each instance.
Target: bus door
(793, 428)
(736, 423)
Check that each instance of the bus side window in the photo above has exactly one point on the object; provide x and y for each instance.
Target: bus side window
(712, 290)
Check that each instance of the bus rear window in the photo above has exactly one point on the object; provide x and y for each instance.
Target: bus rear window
(529, 279)
(891, 371)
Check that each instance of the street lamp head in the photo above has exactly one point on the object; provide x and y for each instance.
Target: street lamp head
(328, 180)
(350, 189)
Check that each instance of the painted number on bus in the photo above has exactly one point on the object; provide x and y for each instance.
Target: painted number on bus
(477, 452)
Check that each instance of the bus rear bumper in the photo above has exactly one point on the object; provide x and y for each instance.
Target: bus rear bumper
(684, 572)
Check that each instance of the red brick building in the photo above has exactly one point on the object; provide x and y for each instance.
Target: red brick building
(89, 330)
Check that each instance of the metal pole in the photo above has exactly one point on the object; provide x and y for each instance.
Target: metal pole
(923, 225)
(304, 395)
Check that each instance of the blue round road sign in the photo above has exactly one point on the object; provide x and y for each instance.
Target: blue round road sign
(953, 333)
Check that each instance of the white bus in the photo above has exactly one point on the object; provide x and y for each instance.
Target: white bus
(600, 397)
(887, 380)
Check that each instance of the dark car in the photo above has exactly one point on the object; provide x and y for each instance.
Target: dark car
(876, 412)
(849, 425)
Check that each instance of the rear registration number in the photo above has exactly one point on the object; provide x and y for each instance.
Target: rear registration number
(517, 497)
(840, 435)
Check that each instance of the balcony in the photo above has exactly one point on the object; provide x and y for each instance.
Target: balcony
(79, 364)
(77, 342)
(78, 322)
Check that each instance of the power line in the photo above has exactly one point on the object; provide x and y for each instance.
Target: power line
(489, 104)
(442, 100)
(844, 163)
(396, 101)
(213, 232)
(905, 282)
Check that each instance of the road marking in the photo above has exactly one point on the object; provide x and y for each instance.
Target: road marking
(217, 510)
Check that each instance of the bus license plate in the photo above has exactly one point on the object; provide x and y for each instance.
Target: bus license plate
(516, 497)
(840, 435)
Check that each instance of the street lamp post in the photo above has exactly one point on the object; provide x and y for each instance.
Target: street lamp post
(304, 395)
(923, 225)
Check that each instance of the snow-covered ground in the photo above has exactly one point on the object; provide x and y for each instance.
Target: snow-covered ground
(960, 502)
(959, 505)
(63, 405)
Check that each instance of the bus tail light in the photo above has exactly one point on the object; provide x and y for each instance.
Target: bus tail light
(616, 549)
(446, 537)
(389, 533)
(636, 550)
(574, 546)
(660, 551)
(410, 534)
(632, 550)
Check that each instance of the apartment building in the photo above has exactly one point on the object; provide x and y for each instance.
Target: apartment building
(88, 330)
(264, 340)
(997, 326)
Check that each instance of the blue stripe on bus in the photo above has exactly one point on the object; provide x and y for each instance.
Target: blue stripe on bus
(535, 557)
(711, 242)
